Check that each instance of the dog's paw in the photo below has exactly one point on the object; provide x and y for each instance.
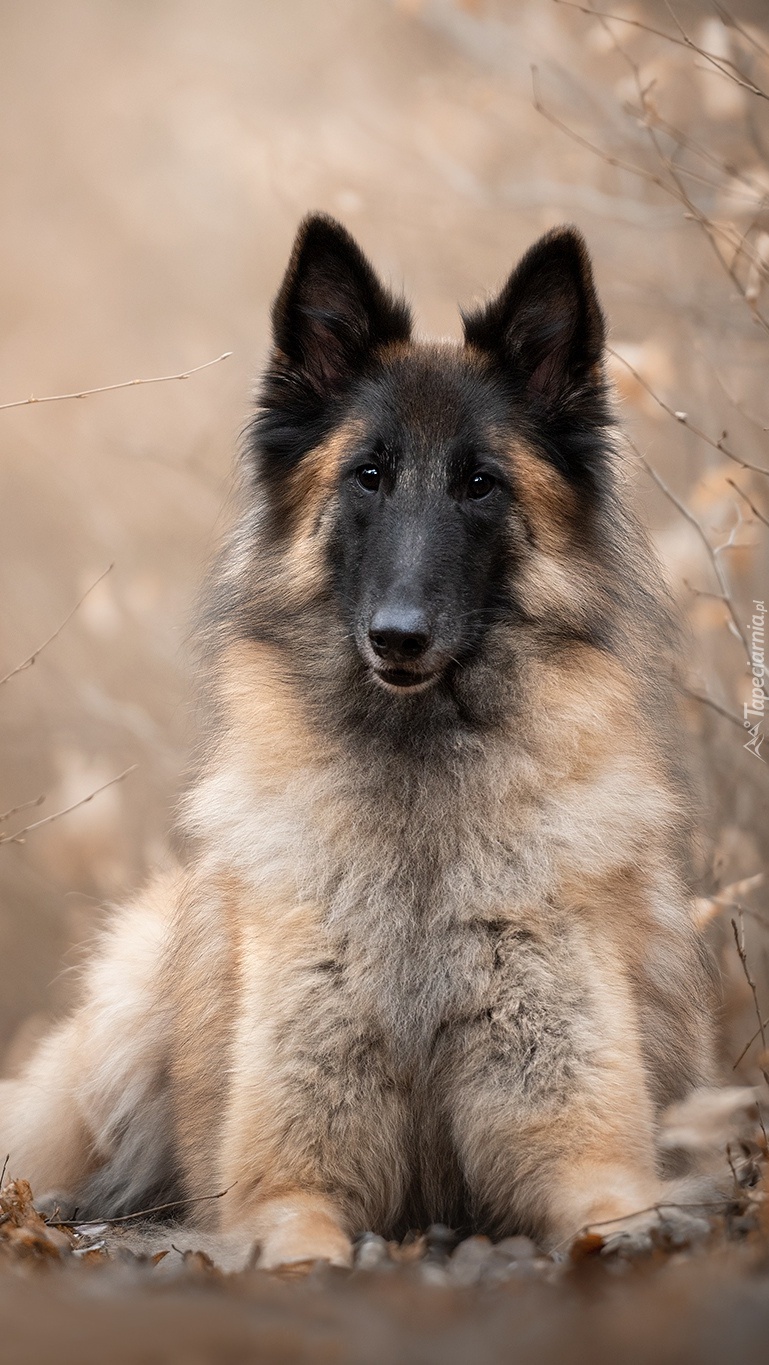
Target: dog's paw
(296, 1230)
(666, 1227)
(300, 1246)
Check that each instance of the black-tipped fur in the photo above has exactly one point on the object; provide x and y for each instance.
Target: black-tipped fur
(330, 316)
(432, 957)
(545, 333)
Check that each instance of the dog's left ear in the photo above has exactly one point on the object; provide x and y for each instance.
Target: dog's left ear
(331, 311)
(545, 328)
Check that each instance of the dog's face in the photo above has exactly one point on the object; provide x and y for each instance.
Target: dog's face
(417, 471)
(421, 536)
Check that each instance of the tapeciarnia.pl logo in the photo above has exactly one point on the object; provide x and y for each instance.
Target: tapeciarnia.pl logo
(755, 709)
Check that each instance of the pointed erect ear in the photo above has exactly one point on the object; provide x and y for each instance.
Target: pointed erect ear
(546, 328)
(331, 311)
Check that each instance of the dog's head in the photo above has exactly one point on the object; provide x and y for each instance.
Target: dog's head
(431, 491)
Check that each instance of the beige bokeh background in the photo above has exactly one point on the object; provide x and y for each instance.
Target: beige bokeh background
(155, 161)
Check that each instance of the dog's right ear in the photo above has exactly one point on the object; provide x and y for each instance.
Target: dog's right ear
(331, 312)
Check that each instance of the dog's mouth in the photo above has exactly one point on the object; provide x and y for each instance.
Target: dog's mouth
(404, 679)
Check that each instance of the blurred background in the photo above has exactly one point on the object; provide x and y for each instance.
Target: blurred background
(155, 161)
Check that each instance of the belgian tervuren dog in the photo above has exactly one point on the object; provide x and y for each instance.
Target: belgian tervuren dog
(431, 957)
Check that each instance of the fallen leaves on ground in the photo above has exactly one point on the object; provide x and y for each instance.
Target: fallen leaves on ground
(148, 1293)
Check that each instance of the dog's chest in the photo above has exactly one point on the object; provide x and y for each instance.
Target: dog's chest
(410, 966)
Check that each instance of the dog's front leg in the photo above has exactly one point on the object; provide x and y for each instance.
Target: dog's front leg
(551, 1110)
(277, 1167)
(313, 1146)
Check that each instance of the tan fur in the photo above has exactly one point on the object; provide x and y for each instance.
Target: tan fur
(222, 966)
(310, 490)
(384, 991)
(548, 500)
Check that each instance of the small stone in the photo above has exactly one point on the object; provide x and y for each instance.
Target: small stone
(515, 1249)
(470, 1259)
(371, 1252)
(441, 1241)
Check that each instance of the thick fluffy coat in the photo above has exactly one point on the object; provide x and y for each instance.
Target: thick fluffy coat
(432, 957)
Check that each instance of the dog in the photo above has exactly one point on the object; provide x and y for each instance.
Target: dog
(431, 957)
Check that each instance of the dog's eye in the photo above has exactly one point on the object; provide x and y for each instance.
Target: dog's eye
(480, 485)
(368, 477)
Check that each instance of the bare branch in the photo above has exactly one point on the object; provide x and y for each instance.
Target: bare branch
(29, 662)
(676, 188)
(621, 19)
(722, 64)
(737, 403)
(18, 837)
(713, 704)
(683, 419)
(25, 805)
(110, 388)
(729, 21)
(758, 1034)
(140, 1213)
(711, 552)
(716, 1205)
(751, 505)
(707, 155)
(591, 146)
(739, 939)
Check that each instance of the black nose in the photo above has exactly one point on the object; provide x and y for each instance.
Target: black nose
(399, 634)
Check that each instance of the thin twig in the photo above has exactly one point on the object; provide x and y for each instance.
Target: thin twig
(739, 939)
(751, 505)
(691, 144)
(724, 65)
(751, 1041)
(25, 805)
(677, 190)
(684, 40)
(701, 592)
(714, 705)
(638, 1213)
(5, 1168)
(755, 915)
(656, 1208)
(733, 1169)
(29, 662)
(141, 1213)
(591, 146)
(729, 21)
(683, 419)
(110, 388)
(711, 229)
(737, 403)
(713, 557)
(620, 19)
(18, 837)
